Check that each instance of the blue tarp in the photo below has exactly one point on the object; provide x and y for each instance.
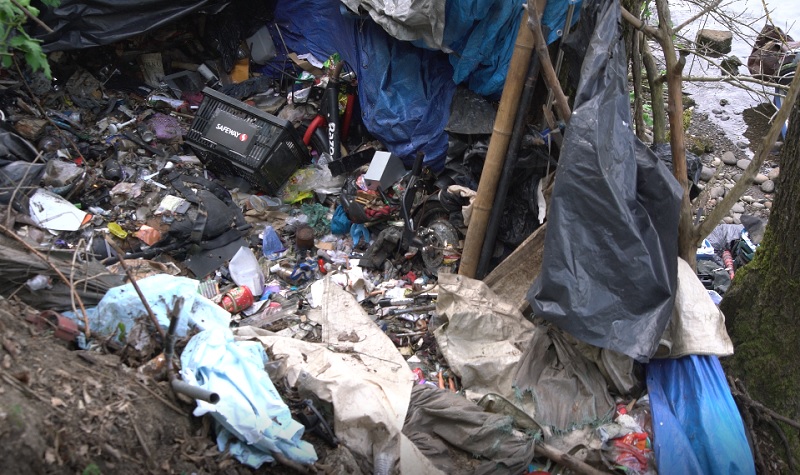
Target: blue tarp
(405, 90)
(698, 428)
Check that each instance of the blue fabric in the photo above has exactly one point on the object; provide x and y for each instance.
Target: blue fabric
(252, 421)
(481, 34)
(404, 91)
(698, 428)
(359, 232)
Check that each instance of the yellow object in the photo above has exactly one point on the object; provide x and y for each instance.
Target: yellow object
(241, 71)
(117, 230)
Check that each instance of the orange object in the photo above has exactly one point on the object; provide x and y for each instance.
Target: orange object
(452, 384)
(148, 235)
(241, 71)
(441, 380)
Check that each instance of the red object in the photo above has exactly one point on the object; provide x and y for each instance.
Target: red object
(318, 121)
(727, 259)
(419, 376)
(321, 264)
(65, 329)
(237, 299)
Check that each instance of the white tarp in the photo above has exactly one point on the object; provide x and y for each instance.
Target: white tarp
(367, 381)
(697, 326)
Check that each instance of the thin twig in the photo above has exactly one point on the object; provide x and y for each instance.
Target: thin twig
(44, 258)
(639, 24)
(548, 72)
(32, 16)
(782, 435)
(138, 290)
(160, 398)
(141, 439)
(702, 12)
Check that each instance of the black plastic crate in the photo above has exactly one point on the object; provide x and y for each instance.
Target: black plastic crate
(233, 138)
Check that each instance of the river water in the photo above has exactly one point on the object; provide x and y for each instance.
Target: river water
(750, 13)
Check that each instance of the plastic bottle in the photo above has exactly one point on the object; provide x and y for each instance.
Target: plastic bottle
(246, 271)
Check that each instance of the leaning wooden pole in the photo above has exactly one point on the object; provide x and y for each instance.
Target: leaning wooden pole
(498, 145)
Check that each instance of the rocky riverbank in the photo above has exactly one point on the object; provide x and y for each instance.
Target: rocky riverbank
(725, 161)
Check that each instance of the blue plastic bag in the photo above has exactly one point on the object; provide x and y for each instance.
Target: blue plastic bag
(271, 244)
(340, 223)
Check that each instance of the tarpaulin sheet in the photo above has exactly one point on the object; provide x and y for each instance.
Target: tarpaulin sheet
(568, 390)
(697, 326)
(368, 382)
(609, 272)
(404, 91)
(479, 35)
(698, 428)
(80, 24)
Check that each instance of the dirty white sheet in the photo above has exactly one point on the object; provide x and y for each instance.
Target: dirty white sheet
(367, 381)
(697, 326)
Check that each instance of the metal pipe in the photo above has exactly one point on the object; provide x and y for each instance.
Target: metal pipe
(487, 250)
(194, 392)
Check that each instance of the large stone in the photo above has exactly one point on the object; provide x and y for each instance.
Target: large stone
(768, 186)
(728, 158)
(757, 205)
(730, 65)
(737, 208)
(707, 173)
(717, 192)
(760, 178)
(774, 173)
(747, 199)
(714, 43)
(715, 163)
(737, 177)
(768, 204)
(743, 163)
(727, 220)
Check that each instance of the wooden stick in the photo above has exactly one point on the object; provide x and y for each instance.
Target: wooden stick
(548, 72)
(32, 16)
(138, 290)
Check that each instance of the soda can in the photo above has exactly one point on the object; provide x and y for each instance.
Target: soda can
(237, 299)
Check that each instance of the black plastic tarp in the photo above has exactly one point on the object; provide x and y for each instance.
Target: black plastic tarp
(609, 272)
(80, 24)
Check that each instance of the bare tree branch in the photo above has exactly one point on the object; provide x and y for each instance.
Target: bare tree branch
(722, 208)
(702, 12)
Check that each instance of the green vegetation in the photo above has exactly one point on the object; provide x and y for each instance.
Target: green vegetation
(15, 40)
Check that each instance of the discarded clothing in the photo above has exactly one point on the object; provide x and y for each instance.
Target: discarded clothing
(250, 407)
(437, 418)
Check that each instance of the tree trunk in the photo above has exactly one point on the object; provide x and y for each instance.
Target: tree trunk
(762, 305)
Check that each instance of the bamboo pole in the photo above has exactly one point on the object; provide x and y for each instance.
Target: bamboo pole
(498, 145)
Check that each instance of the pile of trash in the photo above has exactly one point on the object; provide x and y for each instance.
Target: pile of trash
(221, 225)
